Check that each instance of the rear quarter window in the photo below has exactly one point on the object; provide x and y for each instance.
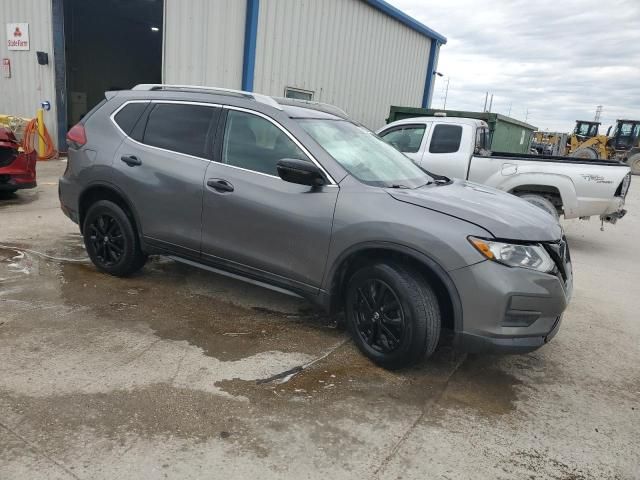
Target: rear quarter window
(129, 115)
(445, 139)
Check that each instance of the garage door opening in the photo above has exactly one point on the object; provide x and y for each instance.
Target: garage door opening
(109, 45)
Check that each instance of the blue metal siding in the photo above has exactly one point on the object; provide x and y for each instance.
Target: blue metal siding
(250, 37)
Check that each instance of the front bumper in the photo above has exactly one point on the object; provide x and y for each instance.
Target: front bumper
(509, 310)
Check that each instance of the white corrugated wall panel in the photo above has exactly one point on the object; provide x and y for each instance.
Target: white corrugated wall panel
(345, 51)
(30, 83)
(203, 42)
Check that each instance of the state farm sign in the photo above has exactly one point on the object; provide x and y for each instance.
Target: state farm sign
(18, 36)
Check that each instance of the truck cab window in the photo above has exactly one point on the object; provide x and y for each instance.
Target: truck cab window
(482, 141)
(445, 139)
(407, 138)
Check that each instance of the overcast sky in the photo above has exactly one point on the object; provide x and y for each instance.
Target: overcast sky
(558, 59)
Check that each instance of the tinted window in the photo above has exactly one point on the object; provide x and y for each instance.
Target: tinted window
(179, 128)
(406, 139)
(445, 139)
(482, 140)
(256, 144)
(128, 116)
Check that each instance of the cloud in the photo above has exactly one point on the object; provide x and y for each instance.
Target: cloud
(555, 60)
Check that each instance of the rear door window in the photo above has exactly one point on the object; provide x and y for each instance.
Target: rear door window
(129, 115)
(407, 138)
(445, 139)
(182, 128)
(254, 143)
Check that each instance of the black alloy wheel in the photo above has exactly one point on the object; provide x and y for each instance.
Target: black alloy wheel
(379, 316)
(107, 240)
(393, 314)
(111, 240)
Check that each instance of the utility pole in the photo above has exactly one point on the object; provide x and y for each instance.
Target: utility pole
(491, 103)
(598, 113)
(509, 114)
(526, 117)
(486, 97)
(446, 92)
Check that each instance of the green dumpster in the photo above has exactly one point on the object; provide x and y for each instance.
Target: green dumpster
(507, 134)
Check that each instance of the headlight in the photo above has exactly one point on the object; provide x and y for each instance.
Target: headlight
(534, 257)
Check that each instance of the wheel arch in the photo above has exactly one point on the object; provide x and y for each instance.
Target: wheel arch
(107, 191)
(558, 187)
(370, 252)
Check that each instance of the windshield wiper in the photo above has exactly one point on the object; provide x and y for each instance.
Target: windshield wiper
(398, 185)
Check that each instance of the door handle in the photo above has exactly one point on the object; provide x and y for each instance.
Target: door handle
(220, 185)
(131, 160)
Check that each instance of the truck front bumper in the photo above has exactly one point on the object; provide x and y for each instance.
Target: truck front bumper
(509, 310)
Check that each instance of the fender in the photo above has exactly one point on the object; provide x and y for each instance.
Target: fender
(563, 183)
(334, 271)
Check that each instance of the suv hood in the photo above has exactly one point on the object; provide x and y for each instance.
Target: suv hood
(503, 215)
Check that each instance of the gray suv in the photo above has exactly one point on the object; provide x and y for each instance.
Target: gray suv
(295, 196)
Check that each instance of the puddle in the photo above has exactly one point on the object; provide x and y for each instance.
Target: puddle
(162, 297)
(346, 376)
(15, 264)
(480, 384)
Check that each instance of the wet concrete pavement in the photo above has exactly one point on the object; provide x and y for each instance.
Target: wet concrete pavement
(181, 373)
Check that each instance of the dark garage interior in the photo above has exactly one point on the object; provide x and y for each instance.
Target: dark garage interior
(109, 45)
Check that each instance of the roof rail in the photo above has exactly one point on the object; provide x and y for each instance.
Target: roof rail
(320, 106)
(258, 97)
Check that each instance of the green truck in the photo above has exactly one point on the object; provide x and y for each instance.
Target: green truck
(507, 134)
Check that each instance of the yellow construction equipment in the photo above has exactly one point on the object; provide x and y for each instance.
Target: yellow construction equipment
(586, 142)
(623, 145)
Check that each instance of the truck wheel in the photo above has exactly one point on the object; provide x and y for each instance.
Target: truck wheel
(634, 163)
(111, 240)
(586, 152)
(541, 202)
(392, 314)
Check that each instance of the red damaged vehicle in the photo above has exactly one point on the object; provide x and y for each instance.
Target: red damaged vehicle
(17, 168)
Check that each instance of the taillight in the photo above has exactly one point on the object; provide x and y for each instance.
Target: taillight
(76, 137)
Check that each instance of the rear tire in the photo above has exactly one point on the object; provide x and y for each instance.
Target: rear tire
(111, 240)
(392, 314)
(634, 163)
(541, 202)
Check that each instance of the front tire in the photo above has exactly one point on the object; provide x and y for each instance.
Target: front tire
(392, 314)
(543, 203)
(111, 240)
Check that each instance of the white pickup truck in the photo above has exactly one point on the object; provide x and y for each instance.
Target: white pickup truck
(458, 147)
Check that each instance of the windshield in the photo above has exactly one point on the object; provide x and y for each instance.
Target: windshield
(364, 155)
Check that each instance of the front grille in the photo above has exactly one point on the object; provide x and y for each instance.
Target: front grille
(559, 252)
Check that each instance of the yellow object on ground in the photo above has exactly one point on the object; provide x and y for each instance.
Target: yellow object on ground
(41, 128)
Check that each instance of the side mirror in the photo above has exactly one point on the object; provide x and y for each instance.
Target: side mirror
(609, 130)
(301, 172)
